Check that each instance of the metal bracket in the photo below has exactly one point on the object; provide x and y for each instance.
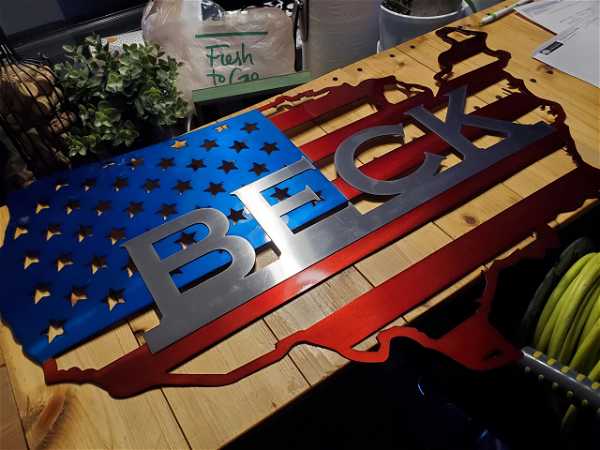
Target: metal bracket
(301, 10)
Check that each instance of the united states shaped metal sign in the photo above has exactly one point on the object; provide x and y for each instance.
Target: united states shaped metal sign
(317, 232)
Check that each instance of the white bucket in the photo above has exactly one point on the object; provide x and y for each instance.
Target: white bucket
(396, 28)
(340, 32)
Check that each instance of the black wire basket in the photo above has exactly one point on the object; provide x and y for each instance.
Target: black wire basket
(30, 114)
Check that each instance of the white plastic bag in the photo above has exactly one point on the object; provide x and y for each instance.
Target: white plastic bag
(218, 47)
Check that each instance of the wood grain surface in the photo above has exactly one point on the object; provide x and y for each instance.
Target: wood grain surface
(76, 417)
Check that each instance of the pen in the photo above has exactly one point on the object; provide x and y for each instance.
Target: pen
(490, 17)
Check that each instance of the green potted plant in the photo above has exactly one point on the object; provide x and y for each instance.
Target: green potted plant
(121, 99)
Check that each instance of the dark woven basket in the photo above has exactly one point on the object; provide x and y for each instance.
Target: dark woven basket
(30, 114)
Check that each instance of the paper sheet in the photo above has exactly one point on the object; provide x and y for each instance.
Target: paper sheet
(559, 15)
(116, 42)
(575, 51)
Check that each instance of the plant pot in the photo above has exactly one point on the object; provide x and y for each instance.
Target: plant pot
(396, 28)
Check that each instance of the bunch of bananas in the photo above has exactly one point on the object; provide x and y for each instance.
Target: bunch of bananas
(568, 328)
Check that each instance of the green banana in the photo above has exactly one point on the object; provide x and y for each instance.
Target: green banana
(564, 299)
(581, 285)
(593, 316)
(567, 258)
(574, 333)
(588, 351)
(538, 341)
(595, 373)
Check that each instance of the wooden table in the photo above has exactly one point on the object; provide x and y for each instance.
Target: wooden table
(72, 416)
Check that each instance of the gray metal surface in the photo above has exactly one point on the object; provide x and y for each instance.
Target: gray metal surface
(581, 392)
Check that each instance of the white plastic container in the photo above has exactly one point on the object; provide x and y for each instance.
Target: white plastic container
(395, 28)
(340, 33)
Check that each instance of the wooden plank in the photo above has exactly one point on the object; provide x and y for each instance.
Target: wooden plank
(541, 173)
(11, 431)
(4, 217)
(477, 211)
(211, 417)
(395, 258)
(317, 364)
(84, 416)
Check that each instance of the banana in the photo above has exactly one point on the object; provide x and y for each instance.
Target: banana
(595, 373)
(567, 258)
(588, 351)
(586, 278)
(593, 316)
(539, 342)
(574, 333)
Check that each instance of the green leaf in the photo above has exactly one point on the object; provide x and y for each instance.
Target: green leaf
(114, 82)
(107, 89)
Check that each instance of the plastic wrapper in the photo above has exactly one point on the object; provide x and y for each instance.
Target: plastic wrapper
(218, 48)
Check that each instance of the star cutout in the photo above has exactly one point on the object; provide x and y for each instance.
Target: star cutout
(227, 166)
(179, 144)
(269, 148)
(71, 206)
(318, 194)
(41, 206)
(130, 268)
(88, 184)
(134, 208)
(60, 184)
(167, 210)
(134, 163)
(98, 262)
(102, 206)
(209, 144)
(120, 183)
(186, 239)
(77, 294)
(63, 261)
(54, 330)
(214, 188)
(196, 164)
(249, 127)
(235, 215)
(280, 194)
(165, 163)
(238, 146)
(182, 186)
(114, 298)
(53, 230)
(116, 234)
(151, 184)
(20, 230)
(84, 232)
(31, 258)
(258, 168)
(41, 291)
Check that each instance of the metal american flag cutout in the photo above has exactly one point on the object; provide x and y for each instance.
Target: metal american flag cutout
(179, 225)
(70, 270)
